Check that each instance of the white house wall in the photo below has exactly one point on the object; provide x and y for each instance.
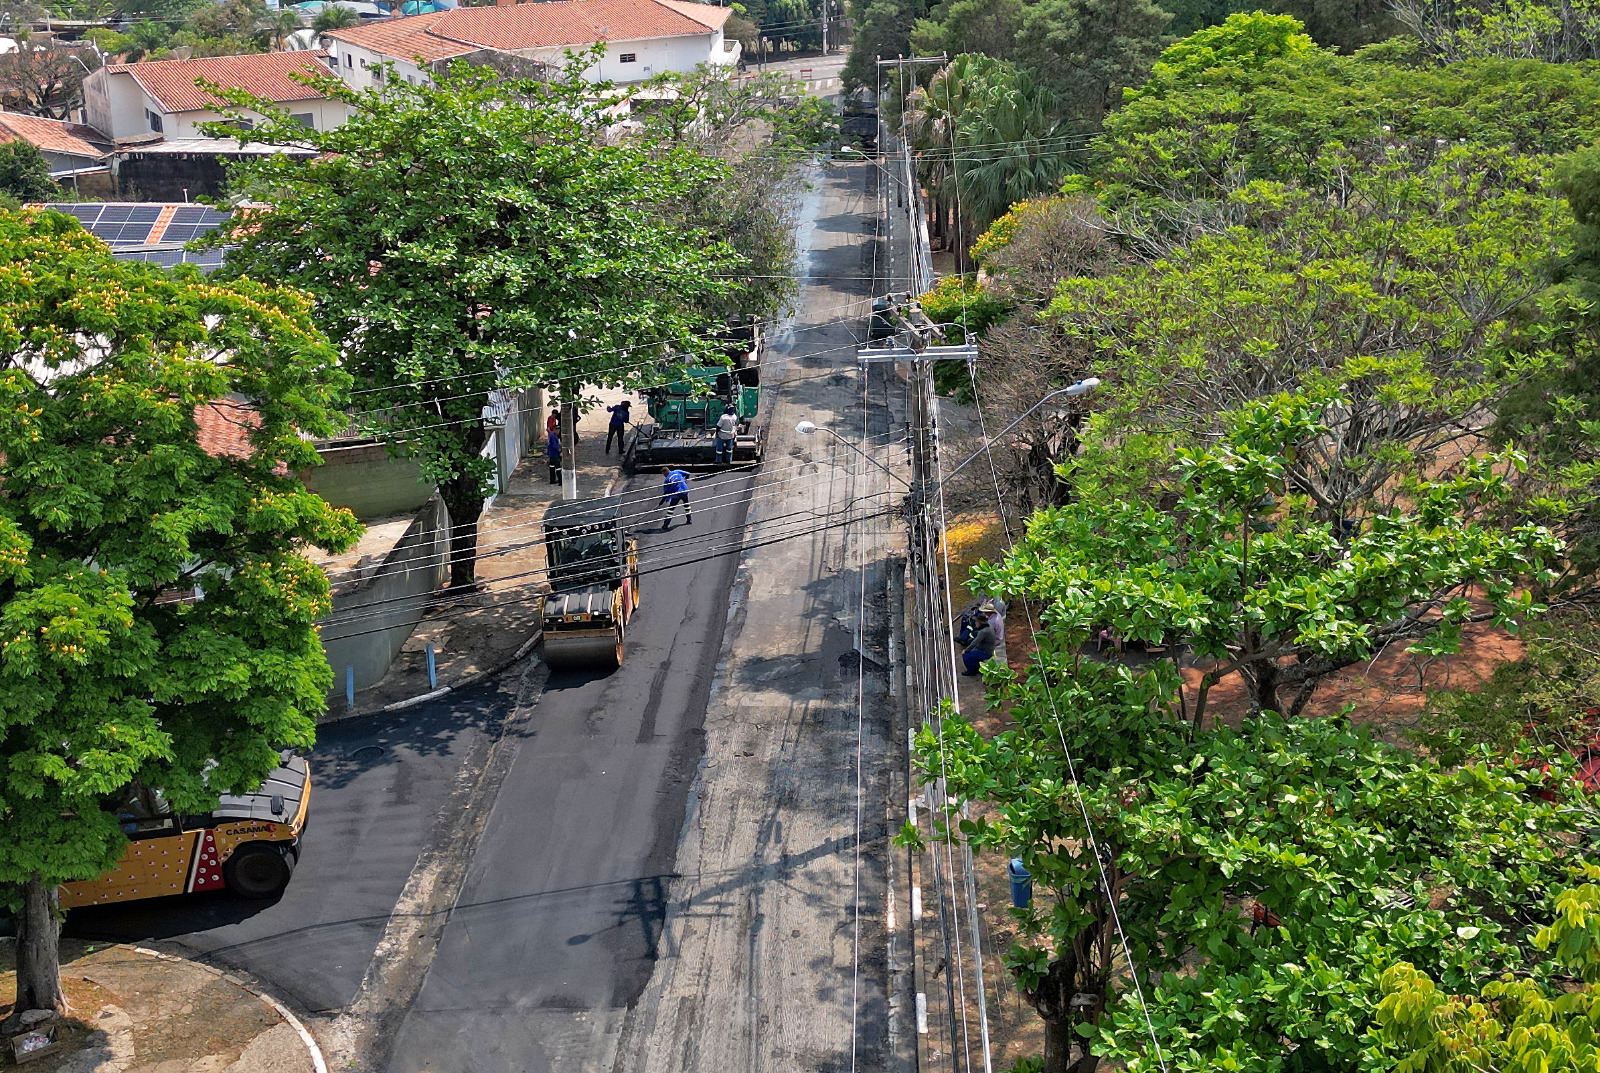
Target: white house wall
(652, 57)
(325, 116)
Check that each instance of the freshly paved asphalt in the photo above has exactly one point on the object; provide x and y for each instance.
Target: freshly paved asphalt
(563, 902)
(377, 785)
(555, 931)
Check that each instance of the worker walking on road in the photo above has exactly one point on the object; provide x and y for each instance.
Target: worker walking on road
(619, 425)
(727, 434)
(675, 490)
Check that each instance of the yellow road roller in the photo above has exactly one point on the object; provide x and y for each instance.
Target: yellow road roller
(594, 577)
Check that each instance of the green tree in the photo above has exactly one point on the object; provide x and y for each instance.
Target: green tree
(1395, 299)
(1515, 1025)
(474, 235)
(1252, 99)
(1088, 51)
(24, 173)
(112, 512)
(1342, 841)
(275, 27)
(987, 136)
(987, 27)
(1567, 31)
(334, 17)
(882, 31)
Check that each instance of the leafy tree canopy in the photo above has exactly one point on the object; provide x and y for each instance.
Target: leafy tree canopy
(478, 234)
(1358, 853)
(1273, 107)
(114, 515)
(24, 172)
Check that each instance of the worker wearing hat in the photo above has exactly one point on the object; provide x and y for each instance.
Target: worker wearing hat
(727, 434)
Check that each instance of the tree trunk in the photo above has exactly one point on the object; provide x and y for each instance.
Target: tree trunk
(38, 951)
(1262, 679)
(464, 497)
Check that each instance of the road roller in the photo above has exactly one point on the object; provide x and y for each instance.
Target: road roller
(594, 579)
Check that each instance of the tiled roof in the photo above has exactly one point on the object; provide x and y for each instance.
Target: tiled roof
(553, 24)
(51, 135)
(172, 82)
(225, 428)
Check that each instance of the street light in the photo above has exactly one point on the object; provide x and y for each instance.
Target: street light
(1082, 387)
(807, 428)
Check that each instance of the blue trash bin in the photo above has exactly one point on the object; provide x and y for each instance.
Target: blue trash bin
(1021, 883)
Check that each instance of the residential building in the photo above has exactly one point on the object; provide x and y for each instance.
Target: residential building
(642, 38)
(75, 154)
(67, 147)
(162, 99)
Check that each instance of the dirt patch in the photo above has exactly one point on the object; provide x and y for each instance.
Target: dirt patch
(182, 1017)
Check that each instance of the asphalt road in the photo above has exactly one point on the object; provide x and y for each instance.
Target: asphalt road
(557, 924)
(562, 903)
(545, 951)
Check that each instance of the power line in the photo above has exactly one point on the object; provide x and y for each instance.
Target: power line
(727, 549)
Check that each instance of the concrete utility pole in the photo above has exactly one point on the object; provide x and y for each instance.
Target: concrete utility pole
(569, 448)
(824, 22)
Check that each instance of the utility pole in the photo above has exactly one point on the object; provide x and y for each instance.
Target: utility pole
(824, 22)
(569, 446)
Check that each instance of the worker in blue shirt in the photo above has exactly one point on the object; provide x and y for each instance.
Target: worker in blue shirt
(553, 452)
(621, 414)
(675, 490)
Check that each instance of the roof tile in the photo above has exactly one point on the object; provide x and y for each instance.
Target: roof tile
(52, 135)
(173, 82)
(552, 24)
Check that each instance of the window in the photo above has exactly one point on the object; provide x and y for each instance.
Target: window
(154, 118)
(305, 119)
(349, 60)
(377, 73)
(628, 57)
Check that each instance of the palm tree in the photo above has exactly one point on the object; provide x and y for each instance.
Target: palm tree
(334, 17)
(987, 136)
(276, 26)
(145, 37)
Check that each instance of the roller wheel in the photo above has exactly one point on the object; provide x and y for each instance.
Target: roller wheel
(258, 871)
(636, 591)
(619, 645)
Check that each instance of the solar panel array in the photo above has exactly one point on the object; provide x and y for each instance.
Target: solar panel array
(207, 260)
(122, 224)
(192, 221)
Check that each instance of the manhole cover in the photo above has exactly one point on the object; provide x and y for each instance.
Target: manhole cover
(367, 753)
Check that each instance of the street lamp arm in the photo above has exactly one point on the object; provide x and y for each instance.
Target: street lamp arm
(1082, 387)
(806, 428)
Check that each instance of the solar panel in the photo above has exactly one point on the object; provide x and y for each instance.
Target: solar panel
(190, 214)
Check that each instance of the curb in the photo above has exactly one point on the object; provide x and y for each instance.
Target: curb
(318, 1062)
(465, 683)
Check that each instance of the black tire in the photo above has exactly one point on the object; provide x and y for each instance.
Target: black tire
(261, 870)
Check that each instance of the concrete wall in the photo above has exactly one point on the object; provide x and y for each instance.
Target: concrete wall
(385, 604)
(366, 479)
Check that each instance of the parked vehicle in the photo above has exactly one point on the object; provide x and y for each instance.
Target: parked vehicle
(247, 845)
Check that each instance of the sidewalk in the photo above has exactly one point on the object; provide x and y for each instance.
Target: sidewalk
(479, 635)
(141, 1010)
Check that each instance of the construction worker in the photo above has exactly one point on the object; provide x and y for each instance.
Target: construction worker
(727, 434)
(675, 490)
(553, 452)
(619, 424)
(980, 648)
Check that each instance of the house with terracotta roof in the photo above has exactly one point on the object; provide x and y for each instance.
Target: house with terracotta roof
(66, 147)
(163, 99)
(642, 39)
